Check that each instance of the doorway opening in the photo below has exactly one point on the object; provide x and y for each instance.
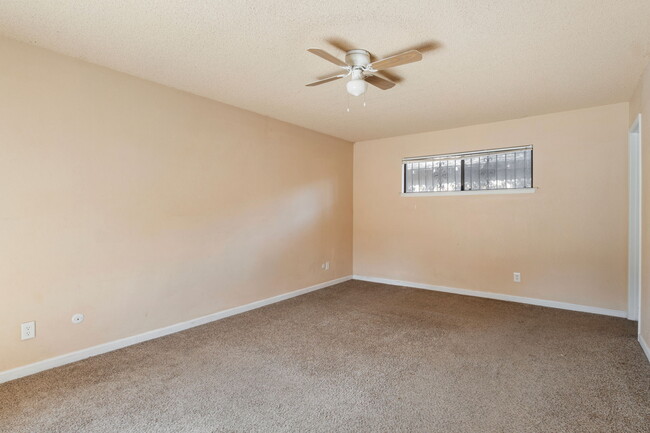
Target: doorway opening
(634, 240)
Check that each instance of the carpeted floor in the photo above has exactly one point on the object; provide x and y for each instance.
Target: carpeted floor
(356, 357)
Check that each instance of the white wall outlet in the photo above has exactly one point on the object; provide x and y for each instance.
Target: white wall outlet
(325, 266)
(77, 318)
(516, 277)
(27, 330)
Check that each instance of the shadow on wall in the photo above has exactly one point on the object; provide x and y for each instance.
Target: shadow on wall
(238, 257)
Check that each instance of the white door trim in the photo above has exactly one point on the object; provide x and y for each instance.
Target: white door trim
(634, 224)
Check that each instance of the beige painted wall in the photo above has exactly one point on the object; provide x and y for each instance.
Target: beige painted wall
(142, 206)
(569, 239)
(641, 104)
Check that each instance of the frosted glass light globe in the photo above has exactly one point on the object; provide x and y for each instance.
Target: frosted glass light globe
(356, 87)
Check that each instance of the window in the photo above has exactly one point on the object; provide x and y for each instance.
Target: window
(497, 169)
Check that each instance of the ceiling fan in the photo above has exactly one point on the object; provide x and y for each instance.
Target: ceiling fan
(357, 66)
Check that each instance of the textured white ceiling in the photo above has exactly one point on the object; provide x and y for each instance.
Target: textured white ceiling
(483, 60)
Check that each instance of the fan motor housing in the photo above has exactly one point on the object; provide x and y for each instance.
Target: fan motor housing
(357, 57)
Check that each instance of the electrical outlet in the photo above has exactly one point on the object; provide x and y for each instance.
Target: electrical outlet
(27, 330)
(517, 277)
(325, 266)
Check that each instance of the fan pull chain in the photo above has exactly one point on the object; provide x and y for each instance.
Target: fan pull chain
(364, 100)
(348, 110)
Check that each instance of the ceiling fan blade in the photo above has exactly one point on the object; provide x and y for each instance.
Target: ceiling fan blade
(382, 83)
(325, 80)
(327, 56)
(397, 60)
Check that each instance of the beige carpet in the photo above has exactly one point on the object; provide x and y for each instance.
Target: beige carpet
(356, 357)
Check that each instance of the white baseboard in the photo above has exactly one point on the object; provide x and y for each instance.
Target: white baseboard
(645, 347)
(68, 358)
(499, 296)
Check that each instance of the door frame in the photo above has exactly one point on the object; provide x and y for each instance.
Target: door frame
(635, 222)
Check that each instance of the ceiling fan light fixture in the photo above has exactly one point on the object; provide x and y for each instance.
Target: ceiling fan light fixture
(357, 87)
(361, 71)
